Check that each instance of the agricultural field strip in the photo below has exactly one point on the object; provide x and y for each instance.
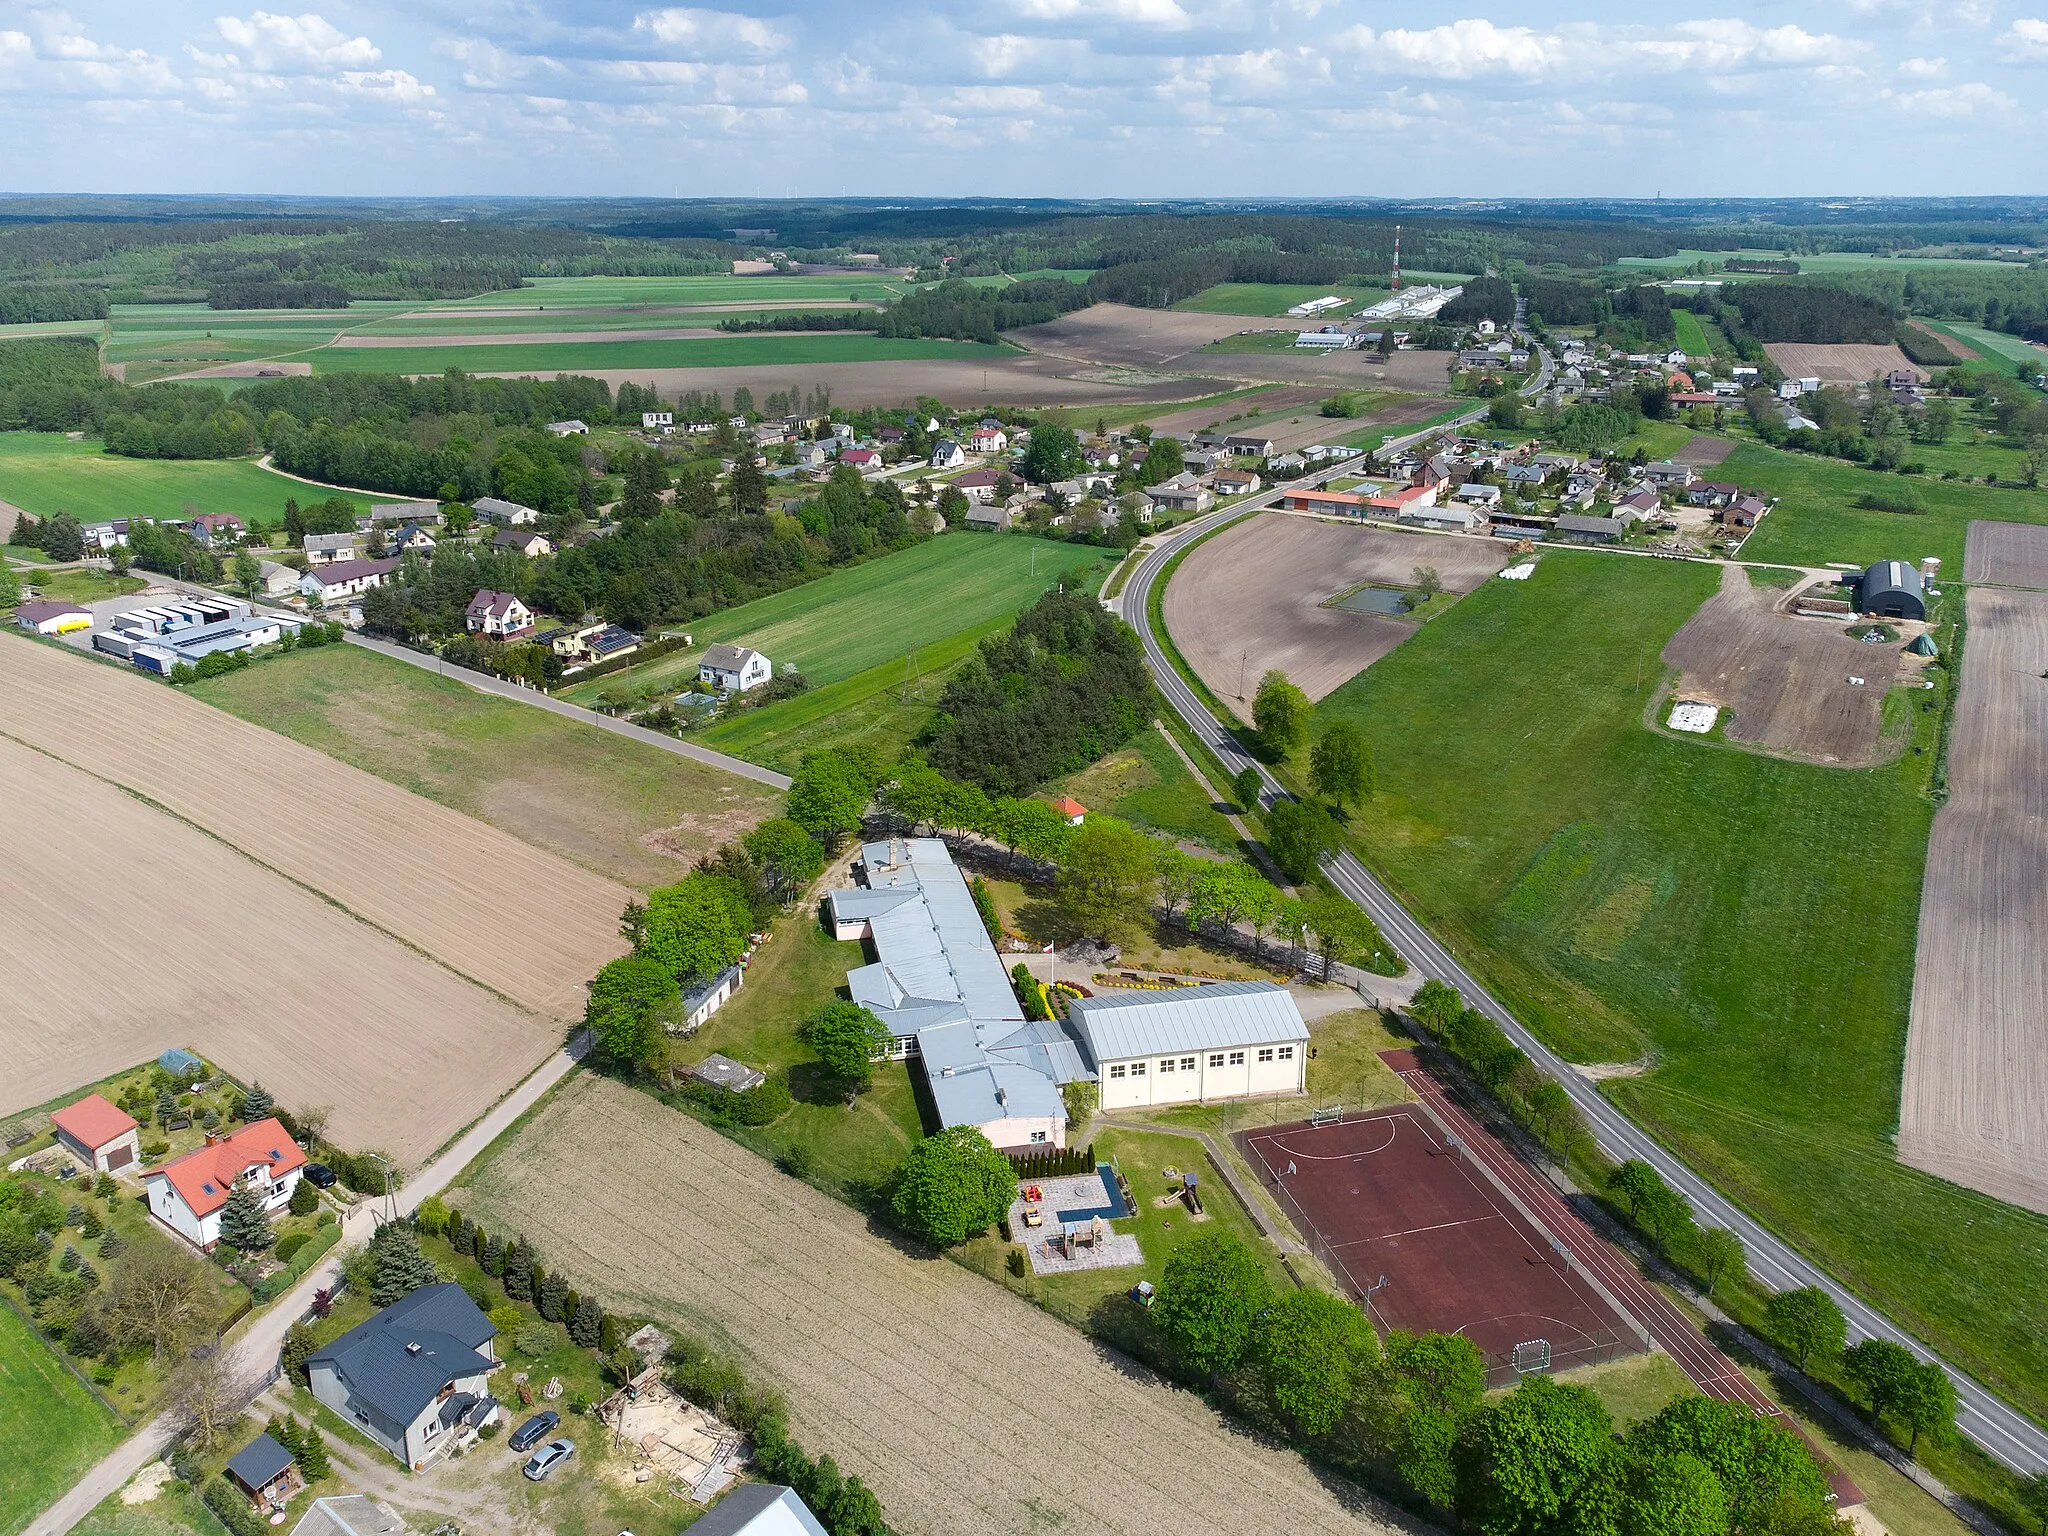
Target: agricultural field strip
(421, 872)
(917, 1374)
(175, 938)
(2008, 1435)
(1974, 1107)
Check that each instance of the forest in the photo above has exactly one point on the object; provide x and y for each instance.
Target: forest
(1812, 312)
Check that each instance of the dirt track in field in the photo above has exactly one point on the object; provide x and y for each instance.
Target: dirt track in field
(1847, 363)
(2006, 554)
(1974, 1107)
(128, 932)
(518, 920)
(1248, 599)
(1785, 681)
(968, 1411)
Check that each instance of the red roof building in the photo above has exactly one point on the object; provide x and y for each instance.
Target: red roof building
(187, 1193)
(1070, 808)
(101, 1135)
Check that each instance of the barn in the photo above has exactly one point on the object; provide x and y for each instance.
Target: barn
(1891, 589)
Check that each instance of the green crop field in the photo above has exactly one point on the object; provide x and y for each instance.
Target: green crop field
(1071, 274)
(1690, 335)
(154, 341)
(613, 292)
(457, 323)
(1817, 519)
(869, 615)
(52, 328)
(1744, 925)
(1992, 343)
(1827, 261)
(760, 350)
(1273, 298)
(46, 472)
(51, 1427)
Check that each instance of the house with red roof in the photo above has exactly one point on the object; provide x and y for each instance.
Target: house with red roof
(101, 1135)
(187, 1193)
(1072, 809)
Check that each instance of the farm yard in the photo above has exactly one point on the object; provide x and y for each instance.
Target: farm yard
(416, 870)
(1975, 1102)
(51, 1427)
(1253, 597)
(1845, 363)
(46, 472)
(911, 1371)
(625, 810)
(1784, 681)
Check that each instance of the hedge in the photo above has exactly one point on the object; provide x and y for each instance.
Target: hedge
(272, 1286)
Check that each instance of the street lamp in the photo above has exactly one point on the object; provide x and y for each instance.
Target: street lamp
(390, 1204)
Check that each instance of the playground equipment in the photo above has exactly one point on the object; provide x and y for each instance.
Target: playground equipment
(1190, 1196)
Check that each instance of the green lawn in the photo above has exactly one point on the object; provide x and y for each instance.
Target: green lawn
(83, 586)
(866, 616)
(621, 807)
(46, 472)
(1148, 785)
(760, 350)
(1817, 519)
(1274, 298)
(1747, 923)
(51, 1427)
(1256, 341)
(1690, 335)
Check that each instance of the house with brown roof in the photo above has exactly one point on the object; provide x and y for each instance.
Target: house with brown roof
(498, 614)
(101, 1135)
(345, 578)
(523, 542)
(188, 1193)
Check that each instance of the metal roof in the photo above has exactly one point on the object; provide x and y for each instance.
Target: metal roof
(1891, 576)
(256, 1464)
(1119, 1026)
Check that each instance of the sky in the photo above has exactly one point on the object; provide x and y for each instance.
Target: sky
(1043, 98)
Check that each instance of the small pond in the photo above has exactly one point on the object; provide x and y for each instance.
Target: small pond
(1392, 600)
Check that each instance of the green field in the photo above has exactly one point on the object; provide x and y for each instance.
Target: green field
(1827, 261)
(1744, 924)
(612, 292)
(1148, 785)
(1992, 343)
(623, 808)
(1273, 298)
(1690, 335)
(750, 351)
(52, 328)
(1071, 274)
(46, 472)
(154, 341)
(51, 1427)
(872, 615)
(1817, 519)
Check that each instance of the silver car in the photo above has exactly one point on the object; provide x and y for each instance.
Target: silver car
(548, 1457)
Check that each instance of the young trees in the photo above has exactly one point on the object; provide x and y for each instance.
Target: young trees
(952, 1185)
(1807, 1322)
(1280, 713)
(847, 1039)
(1883, 1370)
(1340, 767)
(1719, 1255)
(1244, 789)
(1210, 1295)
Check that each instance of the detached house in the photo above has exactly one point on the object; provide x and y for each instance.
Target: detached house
(499, 614)
(416, 1377)
(523, 542)
(947, 454)
(978, 485)
(187, 1193)
(734, 668)
(331, 548)
(989, 440)
(497, 510)
(216, 527)
(345, 578)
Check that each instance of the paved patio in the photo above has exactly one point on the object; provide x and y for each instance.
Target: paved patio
(1080, 1196)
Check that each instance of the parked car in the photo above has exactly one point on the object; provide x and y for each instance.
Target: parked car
(549, 1457)
(534, 1430)
(319, 1175)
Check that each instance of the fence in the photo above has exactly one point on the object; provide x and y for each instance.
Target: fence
(1535, 1356)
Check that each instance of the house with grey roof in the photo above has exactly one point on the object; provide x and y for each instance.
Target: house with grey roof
(759, 1509)
(1223, 1040)
(414, 1377)
(496, 509)
(734, 668)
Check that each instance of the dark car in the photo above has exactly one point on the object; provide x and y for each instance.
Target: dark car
(319, 1175)
(533, 1431)
(548, 1457)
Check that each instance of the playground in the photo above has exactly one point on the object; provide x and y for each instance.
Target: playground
(1417, 1230)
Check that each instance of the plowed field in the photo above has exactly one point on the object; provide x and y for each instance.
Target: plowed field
(968, 1411)
(1844, 363)
(2006, 554)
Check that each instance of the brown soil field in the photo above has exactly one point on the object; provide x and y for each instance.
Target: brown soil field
(1704, 451)
(1849, 363)
(1117, 335)
(967, 1410)
(130, 931)
(2006, 554)
(1249, 598)
(1974, 1106)
(525, 923)
(1784, 681)
(1301, 397)
(257, 368)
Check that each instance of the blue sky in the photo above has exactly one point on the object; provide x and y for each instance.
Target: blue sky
(1102, 98)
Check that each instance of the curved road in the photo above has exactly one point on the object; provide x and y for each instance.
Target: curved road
(2000, 1429)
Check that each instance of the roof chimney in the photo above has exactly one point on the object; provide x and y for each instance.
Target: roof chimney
(213, 1138)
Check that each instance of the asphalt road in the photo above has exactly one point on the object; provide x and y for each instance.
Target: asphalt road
(2002, 1430)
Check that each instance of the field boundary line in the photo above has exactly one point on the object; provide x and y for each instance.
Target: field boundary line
(64, 1358)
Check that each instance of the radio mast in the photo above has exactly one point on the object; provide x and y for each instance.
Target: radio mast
(1397, 258)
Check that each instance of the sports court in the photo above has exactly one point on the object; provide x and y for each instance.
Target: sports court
(1417, 1230)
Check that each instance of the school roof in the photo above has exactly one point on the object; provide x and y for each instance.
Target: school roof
(93, 1122)
(1224, 1013)
(759, 1509)
(205, 1177)
(256, 1464)
(400, 1359)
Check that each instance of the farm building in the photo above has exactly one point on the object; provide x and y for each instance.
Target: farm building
(188, 1193)
(995, 518)
(425, 513)
(1892, 589)
(734, 668)
(415, 1377)
(101, 1135)
(1226, 1040)
(1330, 503)
(1578, 528)
(47, 617)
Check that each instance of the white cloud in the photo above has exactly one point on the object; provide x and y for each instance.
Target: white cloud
(1973, 100)
(1130, 13)
(2026, 41)
(1464, 49)
(720, 33)
(308, 43)
(1476, 48)
(392, 85)
(15, 47)
(1923, 69)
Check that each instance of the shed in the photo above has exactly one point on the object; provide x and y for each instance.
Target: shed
(1891, 589)
(101, 1135)
(723, 1072)
(265, 1471)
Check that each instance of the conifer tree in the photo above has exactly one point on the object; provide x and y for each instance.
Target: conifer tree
(311, 1453)
(259, 1104)
(587, 1327)
(554, 1287)
(243, 1224)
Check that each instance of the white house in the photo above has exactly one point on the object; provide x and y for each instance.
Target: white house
(1226, 1040)
(415, 1377)
(734, 668)
(759, 1509)
(101, 1135)
(345, 578)
(703, 998)
(523, 542)
(497, 510)
(412, 538)
(657, 421)
(329, 548)
(947, 454)
(187, 1193)
(989, 440)
(497, 613)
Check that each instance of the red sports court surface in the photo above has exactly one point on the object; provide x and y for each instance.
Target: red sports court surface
(1384, 1193)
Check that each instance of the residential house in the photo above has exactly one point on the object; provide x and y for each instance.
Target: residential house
(1577, 528)
(1668, 474)
(1583, 484)
(1286, 466)
(979, 485)
(1902, 378)
(345, 579)
(989, 440)
(188, 1193)
(1523, 477)
(657, 421)
(947, 454)
(1072, 809)
(862, 459)
(759, 1509)
(103, 1136)
(523, 542)
(1249, 446)
(1713, 493)
(984, 516)
(734, 668)
(570, 428)
(426, 513)
(104, 536)
(415, 1377)
(1099, 457)
(278, 578)
(587, 644)
(1224, 1040)
(1183, 493)
(411, 538)
(1235, 482)
(498, 614)
(1474, 494)
(46, 616)
(330, 548)
(1643, 501)
(493, 509)
(212, 528)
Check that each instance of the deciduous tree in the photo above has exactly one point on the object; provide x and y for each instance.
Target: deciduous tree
(1527, 1456)
(1807, 1322)
(952, 1185)
(1106, 877)
(1280, 713)
(1301, 835)
(631, 999)
(1310, 1348)
(158, 1297)
(1210, 1295)
(847, 1039)
(1340, 767)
